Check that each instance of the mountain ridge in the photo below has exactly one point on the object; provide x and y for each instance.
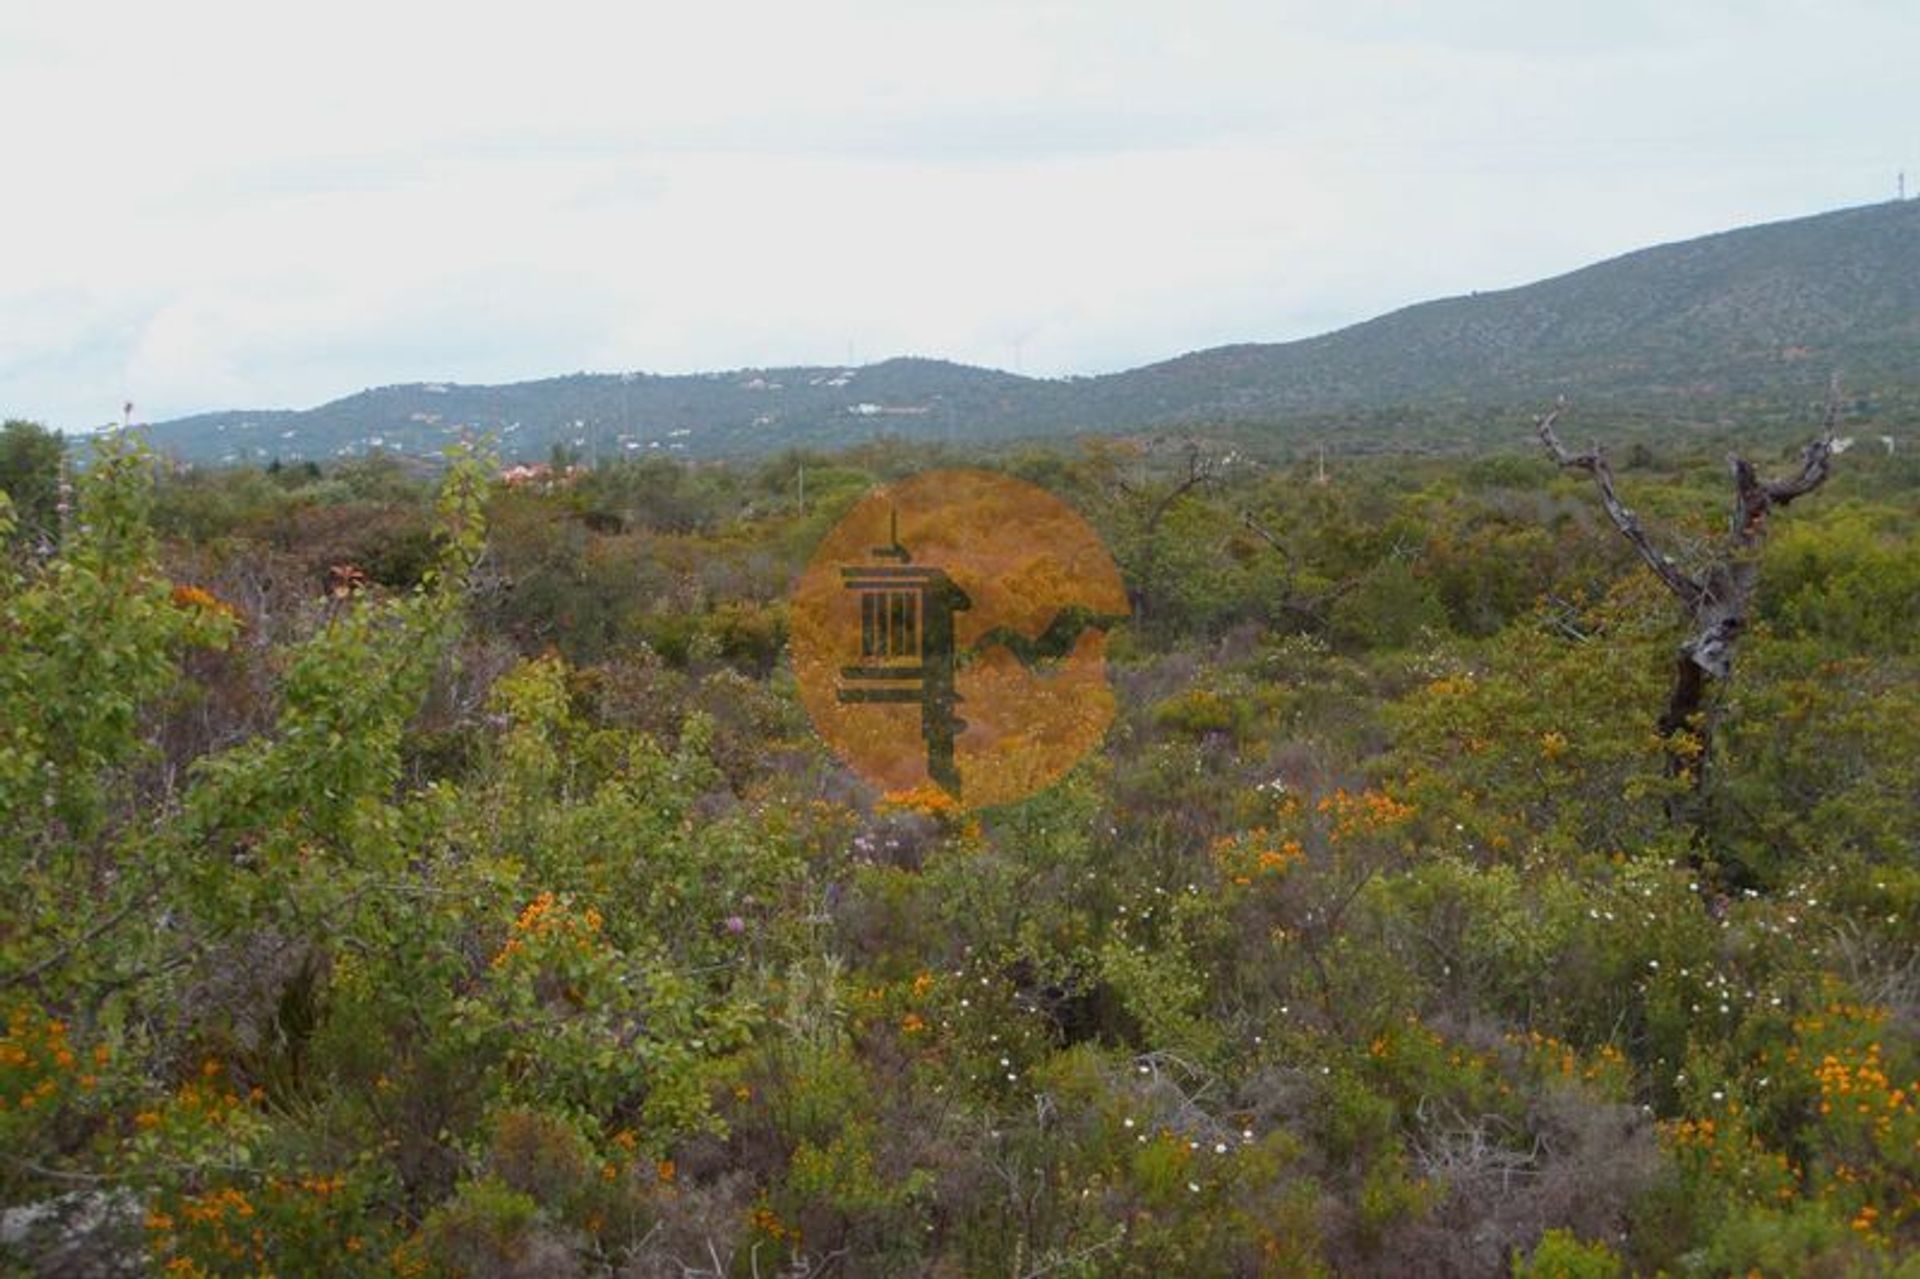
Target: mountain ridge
(1759, 313)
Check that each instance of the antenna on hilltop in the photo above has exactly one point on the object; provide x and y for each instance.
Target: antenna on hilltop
(1901, 185)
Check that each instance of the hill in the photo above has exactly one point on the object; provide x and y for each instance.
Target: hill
(1756, 316)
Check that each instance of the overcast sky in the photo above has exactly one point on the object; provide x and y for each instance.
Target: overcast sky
(255, 205)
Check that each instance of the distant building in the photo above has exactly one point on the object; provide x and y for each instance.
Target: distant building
(539, 473)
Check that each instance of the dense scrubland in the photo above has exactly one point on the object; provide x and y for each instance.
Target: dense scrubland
(490, 909)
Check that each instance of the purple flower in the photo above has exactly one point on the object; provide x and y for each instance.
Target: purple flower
(735, 924)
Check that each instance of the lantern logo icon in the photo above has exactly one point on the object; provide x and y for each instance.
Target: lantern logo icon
(907, 648)
(950, 631)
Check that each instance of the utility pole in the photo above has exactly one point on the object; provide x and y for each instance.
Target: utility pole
(626, 407)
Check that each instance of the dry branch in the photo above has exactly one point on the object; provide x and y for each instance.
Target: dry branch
(1594, 462)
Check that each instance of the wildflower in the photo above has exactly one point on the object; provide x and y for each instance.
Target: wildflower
(928, 800)
(194, 599)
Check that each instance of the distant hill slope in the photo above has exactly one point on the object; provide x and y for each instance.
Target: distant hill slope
(1759, 313)
(1762, 311)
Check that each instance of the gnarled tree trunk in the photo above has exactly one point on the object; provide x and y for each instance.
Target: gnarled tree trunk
(1717, 601)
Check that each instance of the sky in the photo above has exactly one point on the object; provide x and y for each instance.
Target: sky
(245, 205)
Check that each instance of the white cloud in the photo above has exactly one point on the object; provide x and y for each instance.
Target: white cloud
(226, 205)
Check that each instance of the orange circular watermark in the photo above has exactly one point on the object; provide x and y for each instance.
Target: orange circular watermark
(951, 631)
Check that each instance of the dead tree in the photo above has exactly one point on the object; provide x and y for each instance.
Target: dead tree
(1717, 601)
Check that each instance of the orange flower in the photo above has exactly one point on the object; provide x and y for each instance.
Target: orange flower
(929, 800)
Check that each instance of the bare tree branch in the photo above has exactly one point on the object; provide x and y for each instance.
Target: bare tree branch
(1755, 498)
(1058, 1261)
(1595, 464)
(1270, 538)
(1202, 467)
(1311, 608)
